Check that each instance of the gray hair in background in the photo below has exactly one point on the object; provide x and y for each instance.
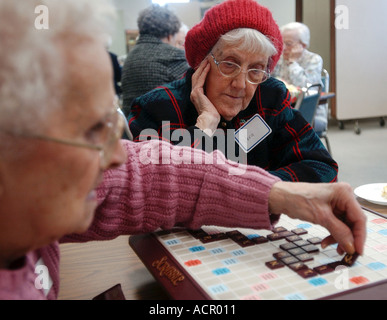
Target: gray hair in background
(32, 68)
(158, 21)
(302, 31)
(248, 40)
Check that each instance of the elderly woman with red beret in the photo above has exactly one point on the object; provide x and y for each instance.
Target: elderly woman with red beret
(232, 52)
(66, 177)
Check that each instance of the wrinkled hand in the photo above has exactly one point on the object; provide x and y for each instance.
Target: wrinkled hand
(209, 117)
(332, 206)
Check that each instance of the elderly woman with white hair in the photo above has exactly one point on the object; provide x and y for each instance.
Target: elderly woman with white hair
(298, 66)
(65, 175)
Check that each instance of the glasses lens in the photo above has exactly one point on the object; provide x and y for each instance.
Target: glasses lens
(257, 76)
(229, 69)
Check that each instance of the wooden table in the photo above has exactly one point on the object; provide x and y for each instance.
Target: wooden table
(89, 269)
(374, 207)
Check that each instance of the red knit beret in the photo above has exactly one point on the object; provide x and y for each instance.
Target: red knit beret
(227, 16)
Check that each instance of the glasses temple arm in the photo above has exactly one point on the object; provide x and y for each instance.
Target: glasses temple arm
(126, 126)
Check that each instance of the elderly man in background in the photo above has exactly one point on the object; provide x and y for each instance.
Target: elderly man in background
(155, 59)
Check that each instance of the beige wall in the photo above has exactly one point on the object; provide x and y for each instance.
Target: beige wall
(316, 15)
(361, 61)
(283, 12)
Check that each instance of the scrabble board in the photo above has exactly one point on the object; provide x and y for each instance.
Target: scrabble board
(287, 263)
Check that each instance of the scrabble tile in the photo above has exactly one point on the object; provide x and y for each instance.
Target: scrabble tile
(198, 233)
(310, 248)
(296, 251)
(259, 240)
(275, 264)
(299, 231)
(286, 234)
(279, 229)
(290, 260)
(305, 257)
(298, 266)
(207, 239)
(301, 243)
(336, 264)
(307, 273)
(293, 238)
(323, 269)
(282, 254)
(274, 236)
(220, 236)
(288, 246)
(234, 233)
(238, 237)
(315, 240)
(279, 235)
(246, 243)
(350, 259)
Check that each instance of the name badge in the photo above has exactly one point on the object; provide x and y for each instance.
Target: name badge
(252, 133)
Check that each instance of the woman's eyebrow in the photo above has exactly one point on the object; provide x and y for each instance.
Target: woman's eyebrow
(236, 56)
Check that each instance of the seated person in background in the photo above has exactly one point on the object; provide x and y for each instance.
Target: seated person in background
(51, 165)
(154, 60)
(231, 53)
(299, 67)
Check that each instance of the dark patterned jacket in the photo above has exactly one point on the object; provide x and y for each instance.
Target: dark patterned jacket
(293, 151)
(149, 64)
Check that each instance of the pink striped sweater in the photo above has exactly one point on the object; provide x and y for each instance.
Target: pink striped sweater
(160, 186)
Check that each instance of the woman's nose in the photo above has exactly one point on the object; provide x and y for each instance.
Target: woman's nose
(240, 80)
(118, 157)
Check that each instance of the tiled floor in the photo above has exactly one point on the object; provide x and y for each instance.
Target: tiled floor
(362, 158)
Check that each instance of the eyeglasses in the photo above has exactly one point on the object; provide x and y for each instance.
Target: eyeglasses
(230, 69)
(111, 132)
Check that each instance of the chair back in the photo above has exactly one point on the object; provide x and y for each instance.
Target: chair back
(308, 101)
(325, 80)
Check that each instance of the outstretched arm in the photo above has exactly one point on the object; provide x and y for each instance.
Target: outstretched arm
(162, 186)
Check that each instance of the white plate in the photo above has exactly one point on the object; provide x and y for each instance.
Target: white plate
(372, 193)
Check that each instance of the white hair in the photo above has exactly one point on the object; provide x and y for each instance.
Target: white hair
(32, 67)
(248, 40)
(302, 30)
